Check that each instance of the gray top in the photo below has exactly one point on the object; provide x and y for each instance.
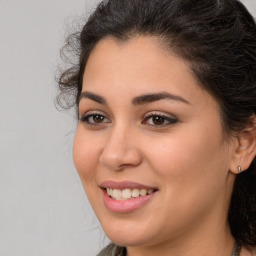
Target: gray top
(113, 250)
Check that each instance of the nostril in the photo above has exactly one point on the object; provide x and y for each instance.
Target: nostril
(120, 158)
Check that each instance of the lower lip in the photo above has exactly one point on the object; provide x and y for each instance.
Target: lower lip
(125, 206)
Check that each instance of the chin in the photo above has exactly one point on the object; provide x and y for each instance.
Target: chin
(128, 235)
(126, 240)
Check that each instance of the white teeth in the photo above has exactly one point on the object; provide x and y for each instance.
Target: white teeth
(143, 192)
(116, 193)
(135, 192)
(127, 193)
(150, 191)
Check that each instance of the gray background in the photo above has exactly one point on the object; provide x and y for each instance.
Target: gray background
(43, 208)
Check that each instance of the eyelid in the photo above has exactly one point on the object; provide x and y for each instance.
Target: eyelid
(82, 117)
(170, 118)
(92, 112)
(159, 113)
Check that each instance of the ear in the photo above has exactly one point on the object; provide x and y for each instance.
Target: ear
(244, 148)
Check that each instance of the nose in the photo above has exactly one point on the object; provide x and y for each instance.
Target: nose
(121, 150)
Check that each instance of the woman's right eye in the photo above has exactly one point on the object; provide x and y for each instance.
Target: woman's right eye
(94, 119)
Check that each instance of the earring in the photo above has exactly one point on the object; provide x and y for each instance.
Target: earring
(239, 168)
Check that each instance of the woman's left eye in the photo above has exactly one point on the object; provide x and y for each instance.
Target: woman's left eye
(159, 120)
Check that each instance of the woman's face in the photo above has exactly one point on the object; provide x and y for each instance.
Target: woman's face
(150, 137)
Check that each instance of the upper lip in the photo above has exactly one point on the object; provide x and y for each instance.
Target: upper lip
(124, 184)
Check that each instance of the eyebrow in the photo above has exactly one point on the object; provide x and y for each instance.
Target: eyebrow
(139, 100)
(148, 98)
(92, 96)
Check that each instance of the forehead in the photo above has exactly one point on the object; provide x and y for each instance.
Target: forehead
(137, 66)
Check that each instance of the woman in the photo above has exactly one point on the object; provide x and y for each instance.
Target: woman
(165, 146)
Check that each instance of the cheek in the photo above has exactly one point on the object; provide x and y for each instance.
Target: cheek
(86, 152)
(189, 158)
(192, 169)
(190, 149)
(85, 155)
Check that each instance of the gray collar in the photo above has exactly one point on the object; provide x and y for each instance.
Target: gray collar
(113, 250)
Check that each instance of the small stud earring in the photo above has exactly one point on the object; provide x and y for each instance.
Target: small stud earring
(239, 168)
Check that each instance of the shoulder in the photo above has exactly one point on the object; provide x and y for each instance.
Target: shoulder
(107, 251)
(112, 250)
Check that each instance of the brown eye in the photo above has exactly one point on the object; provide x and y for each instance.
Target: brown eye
(159, 120)
(98, 119)
(94, 119)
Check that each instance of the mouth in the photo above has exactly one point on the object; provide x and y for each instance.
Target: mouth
(128, 193)
(125, 197)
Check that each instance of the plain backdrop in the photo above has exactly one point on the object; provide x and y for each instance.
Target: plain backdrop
(43, 208)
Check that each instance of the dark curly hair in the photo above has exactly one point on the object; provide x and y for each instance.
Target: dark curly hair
(217, 38)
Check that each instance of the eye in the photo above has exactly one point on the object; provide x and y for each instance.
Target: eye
(94, 119)
(159, 120)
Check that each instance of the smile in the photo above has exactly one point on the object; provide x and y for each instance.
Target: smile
(128, 193)
(126, 196)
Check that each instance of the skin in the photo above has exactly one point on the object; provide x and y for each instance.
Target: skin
(190, 161)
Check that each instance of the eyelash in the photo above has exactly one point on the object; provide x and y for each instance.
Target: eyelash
(85, 119)
(168, 121)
